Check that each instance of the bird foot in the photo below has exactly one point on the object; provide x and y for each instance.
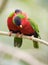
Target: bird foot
(10, 33)
(17, 34)
(21, 35)
(31, 37)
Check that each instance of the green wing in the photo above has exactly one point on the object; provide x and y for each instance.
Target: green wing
(34, 25)
(11, 14)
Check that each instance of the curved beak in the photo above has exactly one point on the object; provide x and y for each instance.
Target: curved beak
(20, 26)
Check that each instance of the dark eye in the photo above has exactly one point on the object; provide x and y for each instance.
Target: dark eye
(17, 20)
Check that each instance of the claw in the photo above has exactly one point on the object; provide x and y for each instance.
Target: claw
(10, 33)
(20, 35)
(31, 37)
(17, 34)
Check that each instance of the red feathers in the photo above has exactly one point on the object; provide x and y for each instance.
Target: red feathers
(27, 28)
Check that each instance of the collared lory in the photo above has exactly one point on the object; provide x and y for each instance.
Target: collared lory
(19, 23)
(14, 28)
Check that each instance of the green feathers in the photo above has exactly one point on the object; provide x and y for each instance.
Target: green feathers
(35, 27)
(21, 16)
(11, 14)
(35, 44)
(17, 42)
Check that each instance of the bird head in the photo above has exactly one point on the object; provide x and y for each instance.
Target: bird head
(18, 11)
(17, 21)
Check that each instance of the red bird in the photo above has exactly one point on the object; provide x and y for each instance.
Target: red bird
(18, 22)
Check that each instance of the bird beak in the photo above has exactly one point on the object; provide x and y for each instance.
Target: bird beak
(20, 26)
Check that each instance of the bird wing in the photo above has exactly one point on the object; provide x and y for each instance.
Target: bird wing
(11, 14)
(34, 25)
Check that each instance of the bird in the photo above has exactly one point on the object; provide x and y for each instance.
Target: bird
(20, 24)
(14, 28)
(36, 32)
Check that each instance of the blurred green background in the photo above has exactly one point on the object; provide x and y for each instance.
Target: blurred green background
(38, 11)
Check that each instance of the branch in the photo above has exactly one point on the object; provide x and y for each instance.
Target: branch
(25, 37)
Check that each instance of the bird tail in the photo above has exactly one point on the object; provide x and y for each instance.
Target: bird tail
(35, 44)
(17, 42)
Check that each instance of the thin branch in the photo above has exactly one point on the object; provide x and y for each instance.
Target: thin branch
(25, 37)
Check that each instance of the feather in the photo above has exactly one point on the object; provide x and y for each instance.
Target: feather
(17, 42)
(36, 34)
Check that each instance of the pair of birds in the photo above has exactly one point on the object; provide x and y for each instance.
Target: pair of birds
(19, 23)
